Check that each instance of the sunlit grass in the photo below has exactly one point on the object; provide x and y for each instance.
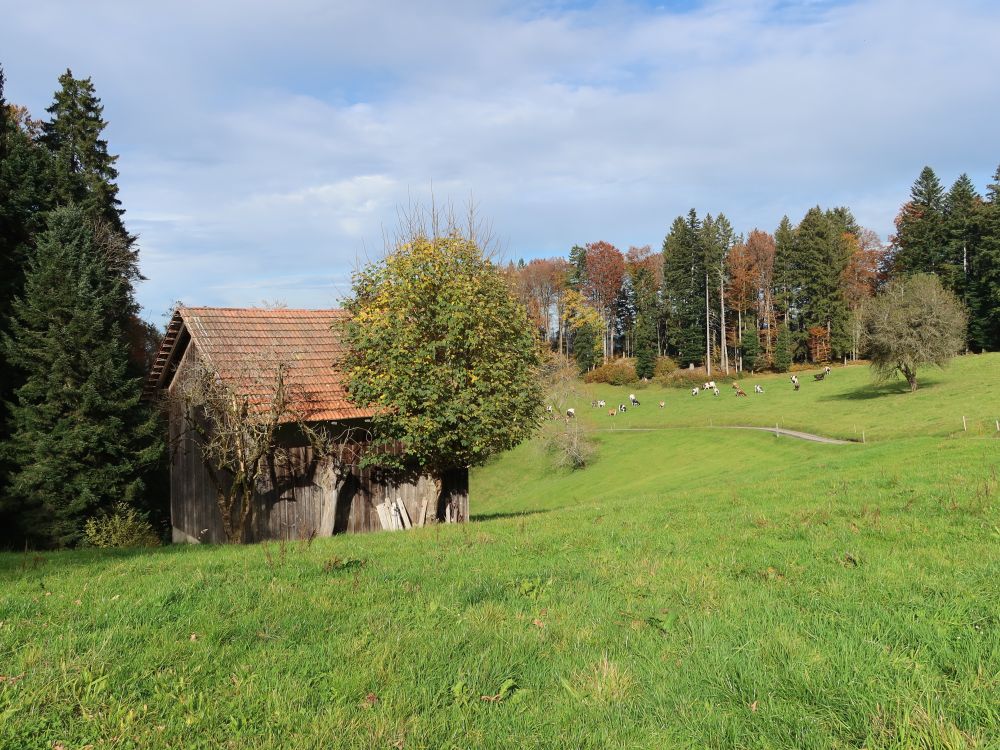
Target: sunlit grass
(692, 588)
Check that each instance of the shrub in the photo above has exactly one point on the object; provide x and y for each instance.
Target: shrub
(664, 366)
(613, 372)
(571, 447)
(123, 527)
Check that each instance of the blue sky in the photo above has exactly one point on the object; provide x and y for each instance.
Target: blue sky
(266, 149)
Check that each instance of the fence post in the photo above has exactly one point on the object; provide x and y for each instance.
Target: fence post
(964, 425)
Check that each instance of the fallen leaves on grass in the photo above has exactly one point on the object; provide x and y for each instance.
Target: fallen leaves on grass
(507, 689)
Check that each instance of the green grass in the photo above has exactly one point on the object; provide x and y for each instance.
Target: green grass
(843, 405)
(692, 588)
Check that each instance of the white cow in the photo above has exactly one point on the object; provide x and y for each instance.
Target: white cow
(758, 389)
(694, 391)
(570, 413)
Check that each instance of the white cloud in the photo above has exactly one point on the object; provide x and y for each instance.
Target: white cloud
(263, 145)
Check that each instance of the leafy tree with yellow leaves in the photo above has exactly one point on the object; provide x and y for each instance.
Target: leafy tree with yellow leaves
(443, 353)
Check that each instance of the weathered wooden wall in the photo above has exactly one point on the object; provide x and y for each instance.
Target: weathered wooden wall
(292, 507)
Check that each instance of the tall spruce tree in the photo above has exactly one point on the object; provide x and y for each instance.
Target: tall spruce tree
(84, 171)
(809, 267)
(24, 199)
(783, 349)
(84, 174)
(919, 243)
(81, 440)
(786, 280)
(984, 297)
(586, 346)
(684, 287)
(750, 345)
(647, 321)
(961, 238)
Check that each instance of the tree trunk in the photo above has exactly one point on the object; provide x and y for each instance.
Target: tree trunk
(708, 332)
(724, 350)
(911, 378)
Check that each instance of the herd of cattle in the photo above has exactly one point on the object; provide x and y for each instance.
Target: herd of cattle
(708, 386)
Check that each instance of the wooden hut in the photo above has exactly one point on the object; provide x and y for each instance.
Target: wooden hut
(304, 495)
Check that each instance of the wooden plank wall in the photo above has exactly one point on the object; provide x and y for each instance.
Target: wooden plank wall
(295, 509)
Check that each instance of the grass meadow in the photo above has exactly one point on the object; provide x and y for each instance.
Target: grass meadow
(693, 587)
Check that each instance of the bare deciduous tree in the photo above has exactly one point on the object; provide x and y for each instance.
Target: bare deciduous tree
(234, 418)
(234, 415)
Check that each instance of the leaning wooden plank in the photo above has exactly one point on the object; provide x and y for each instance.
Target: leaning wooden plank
(403, 516)
(385, 516)
(422, 515)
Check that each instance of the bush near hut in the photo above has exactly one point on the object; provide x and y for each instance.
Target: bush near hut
(123, 527)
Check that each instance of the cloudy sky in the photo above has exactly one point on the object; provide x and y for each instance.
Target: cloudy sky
(266, 148)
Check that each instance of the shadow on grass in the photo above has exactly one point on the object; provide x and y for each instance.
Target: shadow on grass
(871, 390)
(478, 517)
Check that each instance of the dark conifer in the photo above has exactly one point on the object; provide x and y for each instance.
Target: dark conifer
(684, 287)
(81, 440)
(24, 199)
(919, 243)
(984, 319)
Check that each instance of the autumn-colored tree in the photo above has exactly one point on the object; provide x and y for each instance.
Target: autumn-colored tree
(443, 353)
(583, 325)
(605, 272)
(860, 278)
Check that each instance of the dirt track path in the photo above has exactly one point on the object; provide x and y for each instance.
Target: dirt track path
(776, 431)
(793, 434)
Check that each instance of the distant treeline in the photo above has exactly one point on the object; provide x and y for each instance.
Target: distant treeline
(74, 437)
(761, 299)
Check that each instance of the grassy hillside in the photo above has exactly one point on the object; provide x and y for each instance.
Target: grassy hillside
(843, 405)
(692, 588)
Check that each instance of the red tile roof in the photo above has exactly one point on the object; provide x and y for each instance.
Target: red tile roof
(306, 340)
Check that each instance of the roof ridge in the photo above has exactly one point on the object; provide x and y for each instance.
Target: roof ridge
(263, 309)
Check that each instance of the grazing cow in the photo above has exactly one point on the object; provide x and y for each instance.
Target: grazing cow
(795, 382)
(662, 404)
(622, 408)
(570, 413)
(740, 392)
(827, 370)
(602, 403)
(758, 389)
(548, 409)
(633, 400)
(694, 391)
(715, 391)
(612, 412)
(593, 404)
